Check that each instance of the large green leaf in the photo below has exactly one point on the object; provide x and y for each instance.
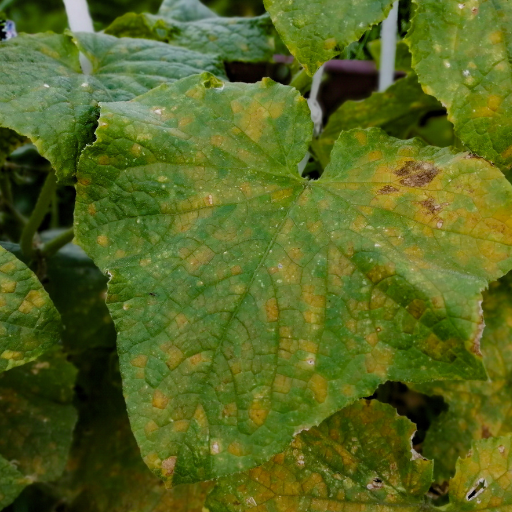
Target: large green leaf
(29, 322)
(360, 457)
(45, 96)
(396, 111)
(316, 31)
(36, 420)
(482, 480)
(192, 25)
(461, 52)
(476, 409)
(250, 302)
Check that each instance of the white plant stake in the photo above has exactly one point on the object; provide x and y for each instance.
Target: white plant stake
(79, 20)
(388, 49)
(316, 111)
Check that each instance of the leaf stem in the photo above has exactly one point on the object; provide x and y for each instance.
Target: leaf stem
(53, 246)
(38, 215)
(388, 49)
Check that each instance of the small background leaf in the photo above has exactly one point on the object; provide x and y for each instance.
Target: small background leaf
(29, 322)
(192, 25)
(316, 31)
(36, 420)
(397, 111)
(482, 480)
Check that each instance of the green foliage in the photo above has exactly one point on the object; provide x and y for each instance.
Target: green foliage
(193, 25)
(461, 53)
(45, 96)
(476, 409)
(29, 322)
(398, 111)
(233, 324)
(229, 273)
(316, 31)
(37, 421)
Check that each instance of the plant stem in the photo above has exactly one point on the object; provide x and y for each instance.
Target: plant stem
(388, 49)
(79, 20)
(54, 223)
(301, 81)
(53, 246)
(37, 216)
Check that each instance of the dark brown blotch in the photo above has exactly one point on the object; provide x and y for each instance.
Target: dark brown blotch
(388, 189)
(430, 205)
(417, 174)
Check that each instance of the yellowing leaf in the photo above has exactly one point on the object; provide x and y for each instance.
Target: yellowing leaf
(316, 31)
(251, 303)
(461, 53)
(482, 481)
(36, 420)
(359, 459)
(29, 322)
(477, 410)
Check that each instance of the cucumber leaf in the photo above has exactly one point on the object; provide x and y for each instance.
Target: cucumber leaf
(477, 410)
(461, 53)
(45, 96)
(192, 25)
(29, 322)
(317, 31)
(37, 419)
(250, 302)
(482, 480)
(360, 457)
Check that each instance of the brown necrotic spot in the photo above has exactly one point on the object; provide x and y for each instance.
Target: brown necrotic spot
(388, 189)
(417, 174)
(430, 205)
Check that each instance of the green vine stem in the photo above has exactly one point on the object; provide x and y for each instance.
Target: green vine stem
(53, 246)
(37, 216)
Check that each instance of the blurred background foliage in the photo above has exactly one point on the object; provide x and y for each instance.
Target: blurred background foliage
(41, 15)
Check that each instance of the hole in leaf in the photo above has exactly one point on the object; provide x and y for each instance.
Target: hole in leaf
(479, 488)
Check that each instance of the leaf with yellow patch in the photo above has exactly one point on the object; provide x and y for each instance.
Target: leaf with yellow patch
(461, 52)
(477, 410)
(482, 480)
(105, 472)
(316, 31)
(250, 302)
(29, 322)
(37, 419)
(360, 457)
